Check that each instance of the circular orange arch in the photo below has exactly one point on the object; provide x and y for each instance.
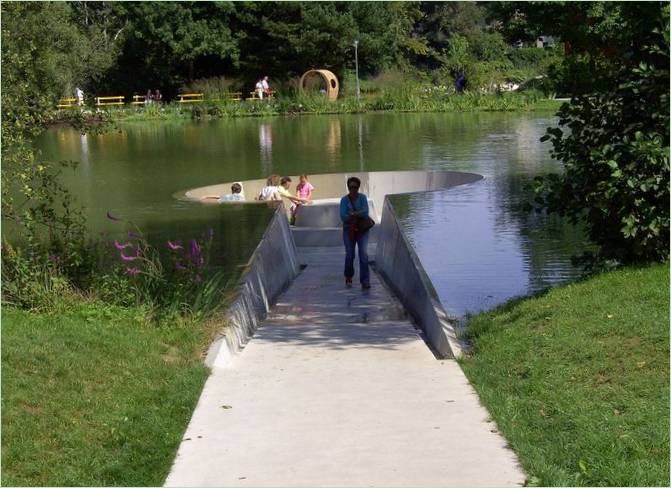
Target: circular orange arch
(332, 85)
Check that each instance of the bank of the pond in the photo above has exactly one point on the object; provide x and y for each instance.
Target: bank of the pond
(469, 102)
(578, 379)
(95, 395)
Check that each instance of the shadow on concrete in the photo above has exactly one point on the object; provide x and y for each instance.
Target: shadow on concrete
(386, 335)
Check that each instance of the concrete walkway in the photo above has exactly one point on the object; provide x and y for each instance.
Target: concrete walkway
(337, 388)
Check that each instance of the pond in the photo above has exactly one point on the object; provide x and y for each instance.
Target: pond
(477, 243)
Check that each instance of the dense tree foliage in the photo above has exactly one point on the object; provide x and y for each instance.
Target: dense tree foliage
(597, 36)
(43, 50)
(129, 47)
(615, 143)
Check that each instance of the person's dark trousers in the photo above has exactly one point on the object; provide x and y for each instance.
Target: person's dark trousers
(361, 242)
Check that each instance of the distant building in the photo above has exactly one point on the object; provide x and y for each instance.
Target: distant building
(545, 41)
(540, 42)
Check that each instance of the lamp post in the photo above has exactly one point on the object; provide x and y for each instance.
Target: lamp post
(356, 67)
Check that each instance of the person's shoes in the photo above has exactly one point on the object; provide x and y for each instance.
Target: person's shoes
(348, 282)
(365, 286)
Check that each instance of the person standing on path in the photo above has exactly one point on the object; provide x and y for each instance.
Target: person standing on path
(353, 209)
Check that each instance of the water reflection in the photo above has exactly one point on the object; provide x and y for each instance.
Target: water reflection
(478, 245)
(360, 134)
(266, 147)
(333, 142)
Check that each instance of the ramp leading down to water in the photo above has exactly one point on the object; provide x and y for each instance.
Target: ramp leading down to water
(338, 388)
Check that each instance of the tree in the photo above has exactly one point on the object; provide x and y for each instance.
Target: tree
(168, 43)
(43, 52)
(284, 39)
(615, 146)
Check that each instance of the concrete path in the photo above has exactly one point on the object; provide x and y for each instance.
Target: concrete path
(337, 388)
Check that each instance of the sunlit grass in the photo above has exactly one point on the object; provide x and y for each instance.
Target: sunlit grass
(578, 379)
(95, 395)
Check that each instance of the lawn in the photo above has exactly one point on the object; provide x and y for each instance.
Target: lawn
(95, 395)
(578, 379)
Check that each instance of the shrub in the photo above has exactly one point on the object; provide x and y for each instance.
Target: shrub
(532, 57)
(214, 87)
(615, 151)
(32, 282)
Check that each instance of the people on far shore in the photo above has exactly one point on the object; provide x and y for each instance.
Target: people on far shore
(148, 98)
(157, 96)
(79, 95)
(460, 82)
(236, 195)
(262, 88)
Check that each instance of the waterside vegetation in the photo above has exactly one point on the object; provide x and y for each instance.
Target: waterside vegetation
(390, 101)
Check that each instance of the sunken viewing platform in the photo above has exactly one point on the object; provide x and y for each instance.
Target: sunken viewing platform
(318, 224)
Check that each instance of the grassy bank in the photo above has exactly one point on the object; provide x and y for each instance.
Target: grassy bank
(388, 102)
(94, 395)
(578, 379)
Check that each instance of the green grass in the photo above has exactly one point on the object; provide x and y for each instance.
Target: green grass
(578, 379)
(94, 395)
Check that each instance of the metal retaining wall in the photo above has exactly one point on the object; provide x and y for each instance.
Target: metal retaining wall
(272, 267)
(398, 264)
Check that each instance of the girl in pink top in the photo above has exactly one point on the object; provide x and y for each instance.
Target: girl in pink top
(304, 188)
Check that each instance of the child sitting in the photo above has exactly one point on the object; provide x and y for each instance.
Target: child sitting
(303, 192)
(304, 188)
(235, 195)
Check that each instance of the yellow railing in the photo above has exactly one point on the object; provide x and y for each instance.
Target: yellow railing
(102, 101)
(255, 96)
(67, 103)
(138, 99)
(229, 96)
(190, 98)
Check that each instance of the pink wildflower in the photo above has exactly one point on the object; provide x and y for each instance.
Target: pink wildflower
(174, 245)
(127, 258)
(132, 271)
(121, 246)
(195, 248)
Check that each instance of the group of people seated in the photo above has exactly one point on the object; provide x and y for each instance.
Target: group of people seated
(155, 97)
(276, 188)
(262, 88)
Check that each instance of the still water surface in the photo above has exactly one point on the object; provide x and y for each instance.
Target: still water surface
(477, 244)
